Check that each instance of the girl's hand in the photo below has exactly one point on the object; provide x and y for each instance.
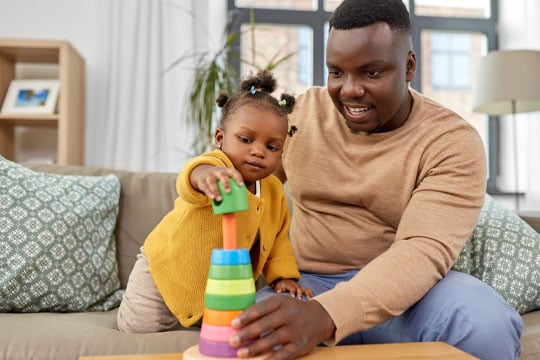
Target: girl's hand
(292, 286)
(204, 178)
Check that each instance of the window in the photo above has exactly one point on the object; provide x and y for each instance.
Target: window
(287, 45)
(449, 38)
(292, 28)
(450, 60)
(480, 9)
(278, 4)
(449, 67)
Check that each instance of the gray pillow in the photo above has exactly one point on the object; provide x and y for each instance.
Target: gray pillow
(57, 248)
(504, 252)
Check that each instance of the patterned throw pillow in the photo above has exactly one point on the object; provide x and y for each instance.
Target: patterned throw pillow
(57, 247)
(504, 252)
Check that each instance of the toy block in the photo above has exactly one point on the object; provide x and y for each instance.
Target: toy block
(218, 349)
(220, 317)
(216, 333)
(234, 201)
(230, 272)
(230, 287)
(229, 302)
(230, 257)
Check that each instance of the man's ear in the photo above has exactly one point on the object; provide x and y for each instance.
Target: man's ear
(411, 66)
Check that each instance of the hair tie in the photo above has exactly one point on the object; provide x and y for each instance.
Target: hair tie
(252, 90)
(282, 102)
(292, 130)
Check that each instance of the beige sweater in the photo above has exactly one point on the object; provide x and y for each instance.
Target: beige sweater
(397, 205)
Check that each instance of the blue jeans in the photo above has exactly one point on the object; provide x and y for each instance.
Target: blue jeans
(459, 310)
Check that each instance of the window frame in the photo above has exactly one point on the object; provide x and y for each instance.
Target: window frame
(314, 19)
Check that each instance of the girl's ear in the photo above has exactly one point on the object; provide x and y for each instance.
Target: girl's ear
(218, 137)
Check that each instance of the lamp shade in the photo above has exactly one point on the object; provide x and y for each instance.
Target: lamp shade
(508, 81)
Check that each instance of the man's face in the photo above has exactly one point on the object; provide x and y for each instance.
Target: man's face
(369, 70)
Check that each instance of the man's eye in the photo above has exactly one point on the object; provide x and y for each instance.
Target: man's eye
(334, 74)
(244, 139)
(374, 73)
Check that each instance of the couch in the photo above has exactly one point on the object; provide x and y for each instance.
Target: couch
(144, 199)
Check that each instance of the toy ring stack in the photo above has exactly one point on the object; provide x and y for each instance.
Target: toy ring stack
(230, 286)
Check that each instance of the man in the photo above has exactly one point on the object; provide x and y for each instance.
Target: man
(387, 186)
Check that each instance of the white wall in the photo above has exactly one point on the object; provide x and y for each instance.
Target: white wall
(520, 29)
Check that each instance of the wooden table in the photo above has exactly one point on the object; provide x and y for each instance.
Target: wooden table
(402, 351)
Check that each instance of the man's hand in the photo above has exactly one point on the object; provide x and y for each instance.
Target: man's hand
(290, 328)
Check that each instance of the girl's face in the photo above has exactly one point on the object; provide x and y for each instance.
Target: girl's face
(253, 139)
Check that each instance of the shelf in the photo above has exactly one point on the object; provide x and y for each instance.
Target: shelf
(70, 117)
(29, 120)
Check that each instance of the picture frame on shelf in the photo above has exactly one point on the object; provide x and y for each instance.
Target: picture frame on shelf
(31, 97)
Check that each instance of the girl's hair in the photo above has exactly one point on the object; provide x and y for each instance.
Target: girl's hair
(256, 91)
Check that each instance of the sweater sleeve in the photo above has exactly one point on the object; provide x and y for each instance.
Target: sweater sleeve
(183, 184)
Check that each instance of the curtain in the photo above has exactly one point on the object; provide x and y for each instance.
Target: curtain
(144, 129)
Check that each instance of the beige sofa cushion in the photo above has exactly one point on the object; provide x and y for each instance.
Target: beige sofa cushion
(67, 336)
(530, 340)
(140, 209)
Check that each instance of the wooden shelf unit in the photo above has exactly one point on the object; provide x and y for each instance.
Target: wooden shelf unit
(70, 117)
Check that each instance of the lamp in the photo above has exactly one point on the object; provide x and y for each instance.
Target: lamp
(509, 83)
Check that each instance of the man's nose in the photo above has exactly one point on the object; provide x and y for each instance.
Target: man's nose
(352, 87)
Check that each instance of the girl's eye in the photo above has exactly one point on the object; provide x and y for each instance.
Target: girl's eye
(244, 139)
(272, 148)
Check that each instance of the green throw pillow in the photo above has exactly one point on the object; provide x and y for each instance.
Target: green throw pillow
(57, 246)
(504, 252)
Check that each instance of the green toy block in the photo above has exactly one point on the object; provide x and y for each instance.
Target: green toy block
(232, 202)
(230, 272)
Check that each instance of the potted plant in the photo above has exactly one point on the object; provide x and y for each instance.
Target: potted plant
(215, 73)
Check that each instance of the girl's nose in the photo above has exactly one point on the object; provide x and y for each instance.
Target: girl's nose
(257, 149)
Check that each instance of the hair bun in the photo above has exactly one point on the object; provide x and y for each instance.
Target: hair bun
(222, 100)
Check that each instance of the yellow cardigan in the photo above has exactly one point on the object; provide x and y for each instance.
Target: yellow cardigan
(179, 248)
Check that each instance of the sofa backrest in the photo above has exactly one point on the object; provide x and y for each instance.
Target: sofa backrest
(533, 219)
(145, 198)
